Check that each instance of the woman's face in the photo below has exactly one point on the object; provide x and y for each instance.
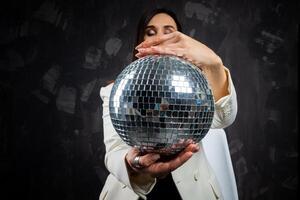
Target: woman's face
(159, 25)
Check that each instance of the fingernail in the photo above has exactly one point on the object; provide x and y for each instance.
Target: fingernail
(138, 46)
(156, 156)
(190, 154)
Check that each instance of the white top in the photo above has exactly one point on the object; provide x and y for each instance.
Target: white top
(196, 179)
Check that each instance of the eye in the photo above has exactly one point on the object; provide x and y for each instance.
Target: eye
(168, 30)
(150, 32)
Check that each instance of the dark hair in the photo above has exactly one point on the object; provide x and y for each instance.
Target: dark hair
(145, 19)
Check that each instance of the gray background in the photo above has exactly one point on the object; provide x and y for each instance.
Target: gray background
(56, 55)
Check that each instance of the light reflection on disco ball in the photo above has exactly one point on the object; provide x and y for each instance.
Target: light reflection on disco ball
(159, 103)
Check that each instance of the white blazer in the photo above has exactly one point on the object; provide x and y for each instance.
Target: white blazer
(195, 179)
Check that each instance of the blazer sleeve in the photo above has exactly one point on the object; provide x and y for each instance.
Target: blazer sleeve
(226, 107)
(116, 150)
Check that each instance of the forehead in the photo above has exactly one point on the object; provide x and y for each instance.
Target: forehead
(162, 19)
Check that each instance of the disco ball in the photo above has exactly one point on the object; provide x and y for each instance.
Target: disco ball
(161, 103)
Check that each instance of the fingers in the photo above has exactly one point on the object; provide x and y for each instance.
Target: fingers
(162, 168)
(144, 161)
(154, 50)
(159, 169)
(183, 156)
(168, 50)
(182, 143)
(180, 160)
(132, 153)
(169, 44)
(151, 165)
(158, 40)
(149, 159)
(192, 148)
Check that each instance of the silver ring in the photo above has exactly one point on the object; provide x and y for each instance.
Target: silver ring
(136, 162)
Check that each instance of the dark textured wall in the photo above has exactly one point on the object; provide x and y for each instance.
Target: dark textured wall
(55, 56)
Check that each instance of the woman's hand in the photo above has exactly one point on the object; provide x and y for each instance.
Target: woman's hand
(183, 46)
(152, 165)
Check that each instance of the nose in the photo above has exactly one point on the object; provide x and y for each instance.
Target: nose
(160, 33)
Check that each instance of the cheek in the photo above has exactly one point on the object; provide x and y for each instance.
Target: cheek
(147, 37)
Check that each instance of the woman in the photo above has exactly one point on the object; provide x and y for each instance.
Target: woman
(188, 175)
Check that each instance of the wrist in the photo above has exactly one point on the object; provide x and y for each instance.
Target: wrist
(216, 65)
